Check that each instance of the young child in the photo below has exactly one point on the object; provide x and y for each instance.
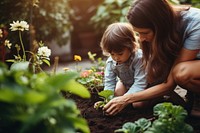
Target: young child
(124, 72)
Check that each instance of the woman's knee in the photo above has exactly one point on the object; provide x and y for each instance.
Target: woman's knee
(181, 73)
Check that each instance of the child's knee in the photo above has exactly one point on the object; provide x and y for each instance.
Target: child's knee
(119, 93)
(120, 89)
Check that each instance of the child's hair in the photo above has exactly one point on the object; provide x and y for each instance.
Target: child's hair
(117, 37)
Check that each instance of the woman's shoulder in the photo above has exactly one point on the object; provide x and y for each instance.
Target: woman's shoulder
(191, 15)
(191, 29)
(190, 20)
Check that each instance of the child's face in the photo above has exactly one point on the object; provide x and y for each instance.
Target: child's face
(121, 57)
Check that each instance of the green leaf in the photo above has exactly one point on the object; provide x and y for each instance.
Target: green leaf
(39, 82)
(20, 66)
(121, 131)
(10, 60)
(101, 10)
(116, 12)
(59, 80)
(82, 125)
(47, 62)
(75, 88)
(100, 104)
(129, 127)
(30, 97)
(33, 97)
(106, 93)
(143, 123)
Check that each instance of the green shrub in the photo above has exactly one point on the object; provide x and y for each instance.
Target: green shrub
(33, 103)
(110, 11)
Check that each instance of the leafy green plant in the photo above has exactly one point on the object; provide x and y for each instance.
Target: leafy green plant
(93, 77)
(91, 80)
(194, 3)
(33, 102)
(80, 14)
(138, 126)
(49, 19)
(106, 95)
(169, 118)
(98, 64)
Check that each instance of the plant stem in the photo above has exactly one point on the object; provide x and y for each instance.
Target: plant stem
(22, 45)
(56, 59)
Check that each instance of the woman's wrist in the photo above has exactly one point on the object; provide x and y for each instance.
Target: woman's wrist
(127, 98)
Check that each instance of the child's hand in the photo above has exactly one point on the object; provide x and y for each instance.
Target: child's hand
(99, 104)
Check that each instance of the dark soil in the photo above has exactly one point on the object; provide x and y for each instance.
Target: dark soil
(100, 123)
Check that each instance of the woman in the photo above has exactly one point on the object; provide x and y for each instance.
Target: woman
(170, 40)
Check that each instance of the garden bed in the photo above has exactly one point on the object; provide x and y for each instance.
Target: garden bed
(99, 123)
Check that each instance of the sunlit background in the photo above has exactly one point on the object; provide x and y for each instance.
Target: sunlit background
(68, 27)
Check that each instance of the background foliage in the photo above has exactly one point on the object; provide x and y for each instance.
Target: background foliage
(110, 11)
(49, 18)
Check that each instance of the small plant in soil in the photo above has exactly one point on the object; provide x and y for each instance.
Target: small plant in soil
(168, 119)
(106, 95)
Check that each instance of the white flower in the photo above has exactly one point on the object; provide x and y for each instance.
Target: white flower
(21, 26)
(1, 33)
(8, 44)
(44, 52)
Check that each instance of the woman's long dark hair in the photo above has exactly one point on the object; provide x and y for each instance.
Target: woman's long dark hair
(160, 54)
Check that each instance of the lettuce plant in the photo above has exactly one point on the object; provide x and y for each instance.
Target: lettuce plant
(138, 126)
(169, 118)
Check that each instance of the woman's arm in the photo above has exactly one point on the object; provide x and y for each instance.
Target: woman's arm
(118, 103)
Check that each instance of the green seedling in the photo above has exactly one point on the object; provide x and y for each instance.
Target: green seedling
(106, 95)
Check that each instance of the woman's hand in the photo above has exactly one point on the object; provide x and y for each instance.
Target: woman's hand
(115, 105)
